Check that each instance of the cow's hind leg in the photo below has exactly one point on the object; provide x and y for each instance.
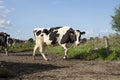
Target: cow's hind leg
(66, 51)
(43, 55)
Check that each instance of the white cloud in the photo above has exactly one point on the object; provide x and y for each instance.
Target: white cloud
(1, 1)
(5, 12)
(4, 23)
(12, 9)
(1, 7)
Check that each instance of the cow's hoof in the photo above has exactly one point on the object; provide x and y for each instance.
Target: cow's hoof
(47, 59)
(65, 57)
(33, 58)
(7, 55)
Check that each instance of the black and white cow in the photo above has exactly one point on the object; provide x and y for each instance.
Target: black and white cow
(5, 41)
(63, 36)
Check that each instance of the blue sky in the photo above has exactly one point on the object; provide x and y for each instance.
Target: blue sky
(20, 17)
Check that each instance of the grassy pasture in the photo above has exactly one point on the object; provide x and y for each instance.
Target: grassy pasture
(92, 49)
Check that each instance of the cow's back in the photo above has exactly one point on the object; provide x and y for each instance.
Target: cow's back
(55, 35)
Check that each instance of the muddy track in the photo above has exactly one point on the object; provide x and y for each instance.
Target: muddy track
(23, 67)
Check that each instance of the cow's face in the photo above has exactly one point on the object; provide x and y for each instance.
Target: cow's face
(78, 37)
(11, 42)
(42, 32)
(6, 36)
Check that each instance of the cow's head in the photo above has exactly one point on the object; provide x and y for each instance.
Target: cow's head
(5, 37)
(78, 34)
(40, 33)
(11, 42)
(4, 34)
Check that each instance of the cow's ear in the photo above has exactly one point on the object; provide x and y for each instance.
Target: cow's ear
(46, 31)
(38, 32)
(78, 30)
(7, 35)
(82, 33)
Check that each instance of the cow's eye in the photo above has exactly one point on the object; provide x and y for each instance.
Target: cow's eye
(42, 35)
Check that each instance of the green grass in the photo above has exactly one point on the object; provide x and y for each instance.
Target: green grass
(23, 47)
(92, 49)
(54, 50)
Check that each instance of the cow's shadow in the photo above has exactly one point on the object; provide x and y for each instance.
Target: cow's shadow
(19, 69)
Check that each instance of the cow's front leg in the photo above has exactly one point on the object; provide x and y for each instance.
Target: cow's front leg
(66, 51)
(66, 54)
(35, 48)
(6, 52)
(43, 55)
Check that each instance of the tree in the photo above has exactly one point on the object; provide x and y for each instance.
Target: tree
(116, 20)
(30, 40)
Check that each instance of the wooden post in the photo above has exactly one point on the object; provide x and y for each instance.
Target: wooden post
(107, 45)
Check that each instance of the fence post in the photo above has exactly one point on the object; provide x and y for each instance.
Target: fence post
(107, 45)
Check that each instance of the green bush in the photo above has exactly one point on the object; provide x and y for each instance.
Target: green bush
(114, 55)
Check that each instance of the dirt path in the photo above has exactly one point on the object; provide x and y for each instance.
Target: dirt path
(23, 67)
